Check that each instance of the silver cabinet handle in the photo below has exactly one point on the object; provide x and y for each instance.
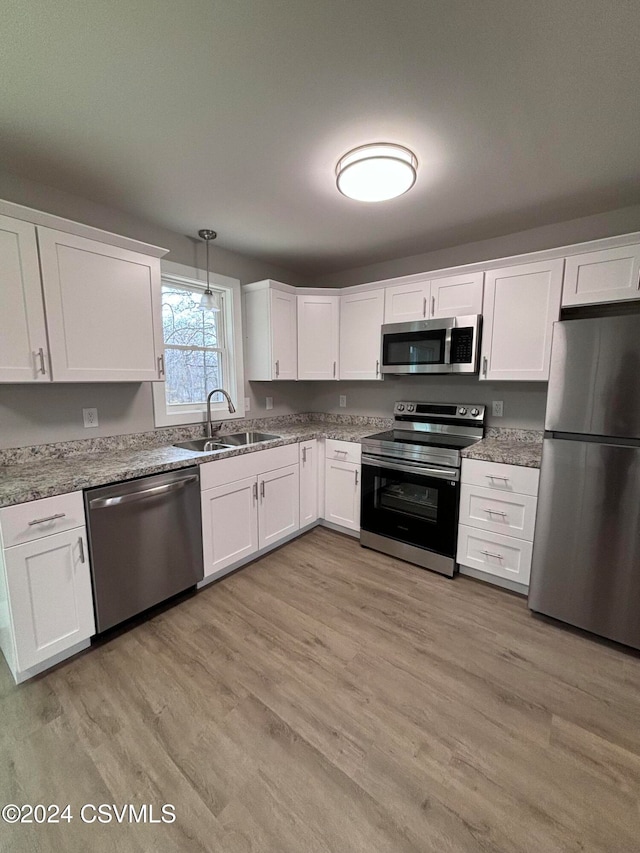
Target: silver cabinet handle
(492, 554)
(81, 546)
(341, 452)
(495, 512)
(485, 365)
(39, 356)
(262, 488)
(377, 368)
(48, 518)
(255, 491)
(334, 369)
(304, 454)
(424, 307)
(101, 503)
(161, 365)
(496, 477)
(356, 473)
(433, 306)
(277, 368)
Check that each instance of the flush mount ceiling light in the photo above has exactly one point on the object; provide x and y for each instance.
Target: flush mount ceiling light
(376, 172)
(209, 300)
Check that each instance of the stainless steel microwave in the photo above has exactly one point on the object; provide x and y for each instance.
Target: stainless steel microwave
(448, 345)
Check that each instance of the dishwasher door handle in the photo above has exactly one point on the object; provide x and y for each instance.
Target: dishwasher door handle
(100, 503)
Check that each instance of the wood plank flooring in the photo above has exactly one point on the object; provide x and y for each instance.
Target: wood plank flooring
(328, 698)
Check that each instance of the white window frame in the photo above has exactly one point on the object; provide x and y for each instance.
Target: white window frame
(165, 415)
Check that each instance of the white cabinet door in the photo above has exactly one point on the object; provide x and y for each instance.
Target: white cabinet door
(342, 494)
(361, 316)
(283, 335)
(610, 275)
(318, 337)
(103, 310)
(406, 302)
(49, 589)
(229, 524)
(279, 507)
(457, 295)
(24, 353)
(503, 556)
(521, 304)
(308, 482)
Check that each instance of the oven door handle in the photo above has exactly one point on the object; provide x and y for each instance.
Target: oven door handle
(412, 468)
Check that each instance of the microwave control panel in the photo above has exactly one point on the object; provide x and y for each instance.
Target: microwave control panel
(462, 345)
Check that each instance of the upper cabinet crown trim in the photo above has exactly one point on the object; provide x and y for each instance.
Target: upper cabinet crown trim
(48, 220)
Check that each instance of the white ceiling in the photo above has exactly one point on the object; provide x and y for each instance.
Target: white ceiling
(231, 114)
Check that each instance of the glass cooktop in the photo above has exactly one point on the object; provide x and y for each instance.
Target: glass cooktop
(422, 439)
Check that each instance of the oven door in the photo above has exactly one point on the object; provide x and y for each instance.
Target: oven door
(420, 347)
(416, 504)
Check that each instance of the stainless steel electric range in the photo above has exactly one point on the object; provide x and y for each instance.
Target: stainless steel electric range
(411, 482)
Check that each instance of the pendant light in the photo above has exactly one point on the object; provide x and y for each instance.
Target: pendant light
(376, 172)
(209, 300)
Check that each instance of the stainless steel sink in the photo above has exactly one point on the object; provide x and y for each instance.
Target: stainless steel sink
(203, 445)
(237, 439)
(225, 442)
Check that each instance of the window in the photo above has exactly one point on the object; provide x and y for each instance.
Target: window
(200, 348)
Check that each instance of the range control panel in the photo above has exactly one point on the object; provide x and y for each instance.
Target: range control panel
(423, 411)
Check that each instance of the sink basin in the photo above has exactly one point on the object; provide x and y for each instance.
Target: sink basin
(237, 439)
(203, 445)
(224, 442)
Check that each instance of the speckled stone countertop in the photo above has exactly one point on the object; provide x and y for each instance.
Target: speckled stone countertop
(27, 474)
(510, 446)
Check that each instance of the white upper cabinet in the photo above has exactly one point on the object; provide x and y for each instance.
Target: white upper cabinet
(521, 304)
(404, 303)
(103, 310)
(24, 353)
(361, 317)
(456, 295)
(271, 330)
(611, 275)
(318, 336)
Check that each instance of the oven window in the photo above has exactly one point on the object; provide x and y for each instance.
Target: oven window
(407, 498)
(414, 347)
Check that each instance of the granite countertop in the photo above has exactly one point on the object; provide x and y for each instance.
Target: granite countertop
(512, 447)
(44, 477)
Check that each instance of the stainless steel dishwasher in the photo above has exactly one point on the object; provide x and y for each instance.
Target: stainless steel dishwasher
(145, 542)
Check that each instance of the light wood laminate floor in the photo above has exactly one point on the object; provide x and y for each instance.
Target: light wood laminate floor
(328, 698)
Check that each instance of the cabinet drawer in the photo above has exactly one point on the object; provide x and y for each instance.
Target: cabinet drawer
(505, 478)
(343, 451)
(222, 471)
(26, 522)
(510, 514)
(494, 554)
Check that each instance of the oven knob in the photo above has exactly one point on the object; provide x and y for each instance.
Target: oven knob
(400, 407)
(475, 412)
(410, 407)
(462, 411)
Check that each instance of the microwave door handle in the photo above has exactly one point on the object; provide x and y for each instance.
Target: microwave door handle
(447, 344)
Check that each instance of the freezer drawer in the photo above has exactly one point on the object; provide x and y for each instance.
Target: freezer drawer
(586, 554)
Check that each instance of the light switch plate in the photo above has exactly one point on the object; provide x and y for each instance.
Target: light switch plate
(90, 418)
(269, 403)
(497, 408)
(343, 401)
(247, 404)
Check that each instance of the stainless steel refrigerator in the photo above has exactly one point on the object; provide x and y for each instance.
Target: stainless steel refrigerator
(586, 552)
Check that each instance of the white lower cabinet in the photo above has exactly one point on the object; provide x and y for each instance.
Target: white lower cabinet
(342, 493)
(309, 485)
(249, 503)
(497, 518)
(47, 603)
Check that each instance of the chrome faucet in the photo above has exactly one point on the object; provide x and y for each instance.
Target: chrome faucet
(232, 408)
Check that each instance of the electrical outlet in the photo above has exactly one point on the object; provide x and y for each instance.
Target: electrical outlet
(269, 403)
(343, 401)
(247, 404)
(497, 408)
(90, 417)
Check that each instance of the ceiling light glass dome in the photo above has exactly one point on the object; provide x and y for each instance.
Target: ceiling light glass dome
(376, 172)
